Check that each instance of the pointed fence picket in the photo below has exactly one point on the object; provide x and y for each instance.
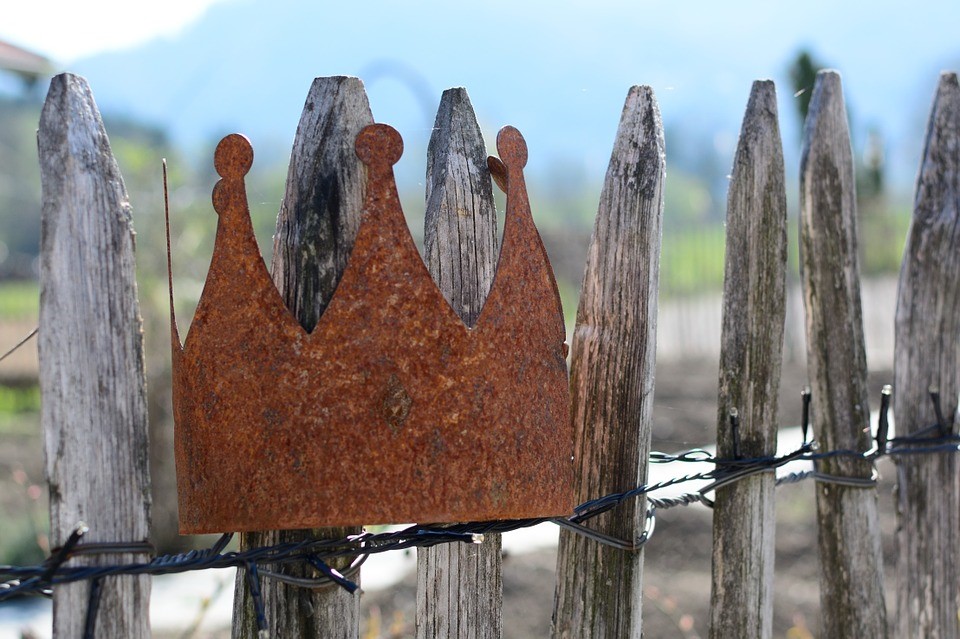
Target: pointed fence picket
(754, 308)
(611, 380)
(318, 222)
(93, 385)
(927, 357)
(92, 375)
(460, 587)
(851, 568)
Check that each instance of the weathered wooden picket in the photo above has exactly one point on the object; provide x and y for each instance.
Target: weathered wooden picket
(851, 587)
(91, 357)
(754, 308)
(614, 342)
(928, 355)
(92, 368)
(317, 225)
(460, 588)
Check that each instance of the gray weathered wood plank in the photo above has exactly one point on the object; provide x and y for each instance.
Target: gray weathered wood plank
(94, 412)
(459, 586)
(928, 354)
(317, 225)
(598, 590)
(751, 353)
(851, 572)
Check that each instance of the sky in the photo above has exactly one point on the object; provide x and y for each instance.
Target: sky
(93, 26)
(700, 57)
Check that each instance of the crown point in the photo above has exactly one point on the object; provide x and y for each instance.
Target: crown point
(379, 144)
(233, 157)
(512, 147)
(498, 172)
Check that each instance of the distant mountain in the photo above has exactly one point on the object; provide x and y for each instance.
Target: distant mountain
(558, 71)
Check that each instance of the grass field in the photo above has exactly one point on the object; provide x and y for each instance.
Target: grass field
(19, 299)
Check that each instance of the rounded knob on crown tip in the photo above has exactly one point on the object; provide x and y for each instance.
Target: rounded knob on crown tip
(512, 147)
(379, 143)
(233, 157)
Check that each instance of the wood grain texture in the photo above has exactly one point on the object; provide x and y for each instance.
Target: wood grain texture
(751, 353)
(459, 586)
(851, 576)
(321, 208)
(94, 412)
(318, 222)
(598, 590)
(927, 353)
(460, 229)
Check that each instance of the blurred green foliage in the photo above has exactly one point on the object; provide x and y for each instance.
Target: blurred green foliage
(19, 180)
(692, 262)
(19, 298)
(23, 503)
(23, 540)
(803, 74)
(18, 400)
(883, 234)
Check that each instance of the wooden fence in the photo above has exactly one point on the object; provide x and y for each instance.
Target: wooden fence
(93, 384)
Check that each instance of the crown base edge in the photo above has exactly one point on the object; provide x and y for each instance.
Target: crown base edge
(558, 508)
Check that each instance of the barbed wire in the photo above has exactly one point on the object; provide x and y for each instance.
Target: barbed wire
(20, 344)
(269, 562)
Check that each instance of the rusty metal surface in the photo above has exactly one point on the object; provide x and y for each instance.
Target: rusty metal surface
(391, 410)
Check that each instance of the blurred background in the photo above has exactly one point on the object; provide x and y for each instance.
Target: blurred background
(171, 78)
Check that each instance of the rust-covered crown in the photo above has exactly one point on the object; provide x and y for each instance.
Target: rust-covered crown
(391, 410)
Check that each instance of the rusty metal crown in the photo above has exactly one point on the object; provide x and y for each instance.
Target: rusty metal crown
(391, 409)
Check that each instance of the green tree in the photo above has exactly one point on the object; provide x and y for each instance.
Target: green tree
(803, 74)
(871, 170)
